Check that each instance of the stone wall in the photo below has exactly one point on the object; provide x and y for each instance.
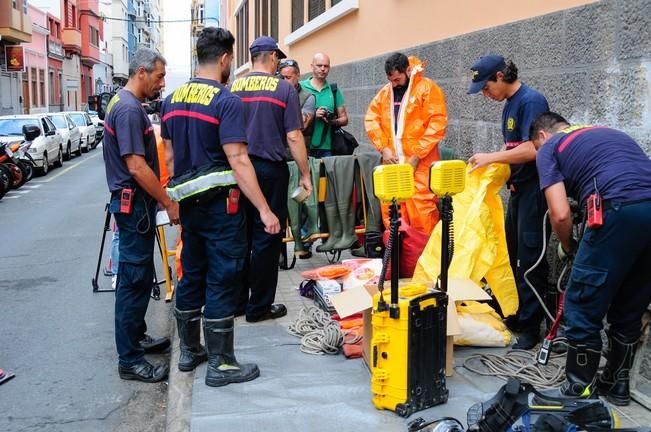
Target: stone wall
(593, 63)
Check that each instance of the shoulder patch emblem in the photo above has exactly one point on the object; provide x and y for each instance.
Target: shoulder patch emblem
(510, 124)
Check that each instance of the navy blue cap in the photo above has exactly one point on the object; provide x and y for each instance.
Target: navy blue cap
(266, 43)
(483, 69)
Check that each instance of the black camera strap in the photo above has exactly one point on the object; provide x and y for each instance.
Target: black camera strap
(326, 127)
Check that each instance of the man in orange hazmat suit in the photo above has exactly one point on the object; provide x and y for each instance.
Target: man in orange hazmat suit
(405, 121)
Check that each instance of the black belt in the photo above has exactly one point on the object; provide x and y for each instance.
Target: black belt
(607, 204)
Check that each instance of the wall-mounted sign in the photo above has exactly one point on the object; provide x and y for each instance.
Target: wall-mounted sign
(15, 56)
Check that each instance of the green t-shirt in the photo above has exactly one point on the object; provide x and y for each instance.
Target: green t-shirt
(323, 98)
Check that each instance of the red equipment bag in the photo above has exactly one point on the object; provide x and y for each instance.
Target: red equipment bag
(412, 245)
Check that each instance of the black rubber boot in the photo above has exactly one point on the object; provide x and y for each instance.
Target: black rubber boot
(580, 376)
(614, 379)
(223, 367)
(528, 339)
(193, 353)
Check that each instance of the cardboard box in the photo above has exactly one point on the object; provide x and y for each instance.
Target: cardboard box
(360, 299)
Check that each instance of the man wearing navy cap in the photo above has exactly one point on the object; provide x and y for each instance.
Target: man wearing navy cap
(497, 79)
(273, 123)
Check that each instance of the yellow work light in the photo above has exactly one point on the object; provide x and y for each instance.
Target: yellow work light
(447, 177)
(393, 182)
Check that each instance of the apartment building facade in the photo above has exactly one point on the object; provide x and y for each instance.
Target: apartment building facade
(204, 13)
(120, 41)
(103, 70)
(35, 81)
(15, 29)
(91, 27)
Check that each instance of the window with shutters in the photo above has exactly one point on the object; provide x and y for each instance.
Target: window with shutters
(309, 16)
(298, 12)
(266, 18)
(315, 8)
(274, 19)
(257, 17)
(242, 39)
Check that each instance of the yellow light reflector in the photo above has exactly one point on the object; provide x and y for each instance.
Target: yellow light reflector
(447, 177)
(393, 181)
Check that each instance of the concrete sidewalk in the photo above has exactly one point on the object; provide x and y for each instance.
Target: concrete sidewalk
(302, 392)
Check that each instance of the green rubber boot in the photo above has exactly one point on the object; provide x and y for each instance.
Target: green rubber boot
(294, 209)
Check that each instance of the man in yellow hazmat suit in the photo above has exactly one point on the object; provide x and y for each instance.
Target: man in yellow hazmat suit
(405, 121)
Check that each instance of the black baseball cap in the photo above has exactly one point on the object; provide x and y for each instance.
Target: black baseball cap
(483, 69)
(266, 43)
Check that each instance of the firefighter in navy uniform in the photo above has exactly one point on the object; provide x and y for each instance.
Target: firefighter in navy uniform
(205, 147)
(132, 176)
(606, 171)
(497, 79)
(273, 123)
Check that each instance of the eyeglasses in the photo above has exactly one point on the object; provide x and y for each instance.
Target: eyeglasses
(286, 63)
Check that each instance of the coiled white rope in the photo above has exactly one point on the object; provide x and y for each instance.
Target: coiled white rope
(319, 333)
(520, 364)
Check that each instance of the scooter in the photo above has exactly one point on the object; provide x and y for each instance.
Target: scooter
(16, 162)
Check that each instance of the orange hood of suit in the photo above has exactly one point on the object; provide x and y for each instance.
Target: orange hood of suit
(421, 124)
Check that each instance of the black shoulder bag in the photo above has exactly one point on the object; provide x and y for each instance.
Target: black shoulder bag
(343, 142)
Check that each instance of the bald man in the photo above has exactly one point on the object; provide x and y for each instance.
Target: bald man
(329, 112)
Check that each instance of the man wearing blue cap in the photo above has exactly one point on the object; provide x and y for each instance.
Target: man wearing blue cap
(273, 123)
(497, 79)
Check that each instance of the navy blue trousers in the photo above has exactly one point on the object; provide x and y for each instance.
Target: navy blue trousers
(260, 276)
(214, 250)
(524, 239)
(135, 277)
(611, 275)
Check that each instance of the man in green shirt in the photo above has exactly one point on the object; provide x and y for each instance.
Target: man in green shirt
(328, 113)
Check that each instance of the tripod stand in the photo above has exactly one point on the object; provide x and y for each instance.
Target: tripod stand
(156, 283)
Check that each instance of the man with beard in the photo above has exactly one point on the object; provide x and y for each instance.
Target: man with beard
(132, 175)
(497, 79)
(329, 112)
(405, 121)
(205, 145)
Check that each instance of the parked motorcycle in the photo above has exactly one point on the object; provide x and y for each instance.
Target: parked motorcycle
(5, 183)
(14, 158)
(16, 164)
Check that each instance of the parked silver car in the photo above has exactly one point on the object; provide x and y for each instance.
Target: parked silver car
(86, 127)
(46, 149)
(69, 134)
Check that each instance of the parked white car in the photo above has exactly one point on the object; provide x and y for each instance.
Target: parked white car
(70, 134)
(46, 149)
(99, 126)
(86, 127)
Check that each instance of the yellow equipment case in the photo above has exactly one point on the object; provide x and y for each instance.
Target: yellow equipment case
(408, 352)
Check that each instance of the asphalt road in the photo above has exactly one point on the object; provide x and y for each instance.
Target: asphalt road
(56, 335)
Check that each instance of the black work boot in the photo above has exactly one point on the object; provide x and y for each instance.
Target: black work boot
(193, 353)
(614, 379)
(153, 345)
(529, 338)
(580, 376)
(223, 367)
(144, 371)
